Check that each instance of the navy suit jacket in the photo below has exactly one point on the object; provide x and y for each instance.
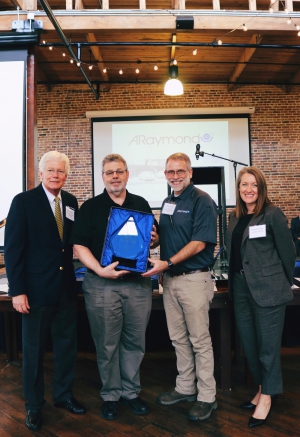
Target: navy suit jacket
(268, 262)
(37, 262)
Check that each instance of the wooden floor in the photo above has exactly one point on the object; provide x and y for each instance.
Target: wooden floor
(158, 374)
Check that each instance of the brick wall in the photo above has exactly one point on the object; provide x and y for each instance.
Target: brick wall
(275, 128)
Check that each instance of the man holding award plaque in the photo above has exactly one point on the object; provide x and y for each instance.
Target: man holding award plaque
(188, 233)
(118, 302)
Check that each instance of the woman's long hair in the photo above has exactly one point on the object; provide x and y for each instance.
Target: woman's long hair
(262, 200)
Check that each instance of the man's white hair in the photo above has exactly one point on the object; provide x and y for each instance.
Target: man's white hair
(54, 156)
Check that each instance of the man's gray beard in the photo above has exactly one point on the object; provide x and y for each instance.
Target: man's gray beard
(114, 190)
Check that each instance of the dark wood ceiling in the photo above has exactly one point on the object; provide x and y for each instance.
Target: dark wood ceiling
(130, 38)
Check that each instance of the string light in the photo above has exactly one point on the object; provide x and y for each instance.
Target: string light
(271, 10)
(217, 41)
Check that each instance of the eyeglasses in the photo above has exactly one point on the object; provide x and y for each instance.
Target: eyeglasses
(51, 171)
(110, 173)
(170, 173)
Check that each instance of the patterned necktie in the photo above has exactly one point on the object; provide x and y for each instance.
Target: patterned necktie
(58, 218)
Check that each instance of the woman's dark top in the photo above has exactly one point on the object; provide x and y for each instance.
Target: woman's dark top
(237, 237)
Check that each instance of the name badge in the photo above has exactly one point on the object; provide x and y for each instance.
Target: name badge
(70, 213)
(257, 231)
(169, 208)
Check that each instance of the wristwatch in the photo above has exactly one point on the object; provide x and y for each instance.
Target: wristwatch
(170, 264)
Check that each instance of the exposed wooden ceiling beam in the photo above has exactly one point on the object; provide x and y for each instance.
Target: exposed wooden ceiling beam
(173, 49)
(26, 5)
(289, 5)
(19, 3)
(295, 79)
(242, 62)
(98, 56)
(42, 76)
(79, 4)
(178, 4)
(87, 22)
(252, 5)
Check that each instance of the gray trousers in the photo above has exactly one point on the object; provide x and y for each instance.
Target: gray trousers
(260, 329)
(118, 312)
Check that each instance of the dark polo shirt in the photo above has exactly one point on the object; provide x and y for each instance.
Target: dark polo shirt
(90, 225)
(194, 219)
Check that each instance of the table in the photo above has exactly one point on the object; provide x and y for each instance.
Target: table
(220, 302)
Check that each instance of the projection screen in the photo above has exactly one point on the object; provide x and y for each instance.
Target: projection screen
(12, 128)
(146, 141)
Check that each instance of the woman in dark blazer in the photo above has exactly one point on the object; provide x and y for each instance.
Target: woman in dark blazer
(261, 257)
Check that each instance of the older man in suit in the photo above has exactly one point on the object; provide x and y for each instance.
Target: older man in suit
(38, 259)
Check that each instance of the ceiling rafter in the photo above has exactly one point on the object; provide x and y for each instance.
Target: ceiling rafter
(79, 4)
(82, 20)
(98, 56)
(150, 37)
(27, 5)
(178, 4)
(173, 48)
(43, 76)
(66, 42)
(294, 80)
(242, 62)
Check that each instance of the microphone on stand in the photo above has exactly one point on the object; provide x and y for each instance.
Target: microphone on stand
(198, 153)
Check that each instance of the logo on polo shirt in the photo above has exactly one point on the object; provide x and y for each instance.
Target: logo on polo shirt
(185, 212)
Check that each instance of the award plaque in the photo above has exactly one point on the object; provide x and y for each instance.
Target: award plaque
(127, 239)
